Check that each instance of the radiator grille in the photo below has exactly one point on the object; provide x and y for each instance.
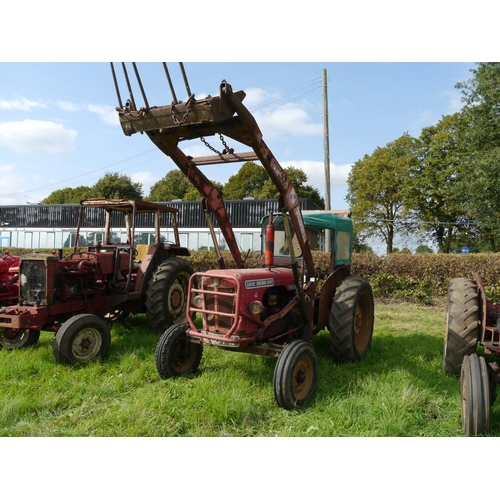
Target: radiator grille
(217, 304)
(32, 279)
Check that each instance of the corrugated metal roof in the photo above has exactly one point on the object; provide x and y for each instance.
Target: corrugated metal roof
(242, 214)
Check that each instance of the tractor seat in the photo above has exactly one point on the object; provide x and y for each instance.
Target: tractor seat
(142, 251)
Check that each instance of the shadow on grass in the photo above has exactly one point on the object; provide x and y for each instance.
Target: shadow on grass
(415, 357)
(418, 355)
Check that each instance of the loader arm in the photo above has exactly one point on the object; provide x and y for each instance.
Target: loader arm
(212, 197)
(226, 114)
(289, 198)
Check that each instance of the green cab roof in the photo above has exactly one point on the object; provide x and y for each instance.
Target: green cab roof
(321, 219)
(326, 220)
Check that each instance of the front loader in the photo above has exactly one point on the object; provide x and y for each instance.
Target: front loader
(274, 310)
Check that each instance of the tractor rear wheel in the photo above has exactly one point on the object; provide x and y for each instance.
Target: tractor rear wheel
(167, 294)
(82, 338)
(175, 354)
(351, 320)
(475, 393)
(11, 338)
(462, 323)
(295, 375)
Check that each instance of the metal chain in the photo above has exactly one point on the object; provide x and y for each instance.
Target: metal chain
(226, 151)
(202, 139)
(188, 108)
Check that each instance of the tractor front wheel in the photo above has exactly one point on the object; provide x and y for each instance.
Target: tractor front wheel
(82, 338)
(11, 338)
(175, 354)
(476, 397)
(167, 294)
(351, 320)
(462, 324)
(295, 375)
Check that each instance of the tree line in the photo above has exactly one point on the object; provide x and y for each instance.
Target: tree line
(442, 186)
(251, 180)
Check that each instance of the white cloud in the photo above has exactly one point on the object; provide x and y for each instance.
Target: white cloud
(21, 104)
(37, 137)
(454, 99)
(10, 184)
(147, 179)
(290, 119)
(107, 113)
(68, 106)
(257, 97)
(315, 171)
(276, 118)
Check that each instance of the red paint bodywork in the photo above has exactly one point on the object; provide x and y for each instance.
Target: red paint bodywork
(9, 274)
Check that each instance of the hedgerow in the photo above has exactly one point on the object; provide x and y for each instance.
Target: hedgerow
(418, 278)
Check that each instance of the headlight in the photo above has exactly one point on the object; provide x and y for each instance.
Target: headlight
(256, 307)
(197, 301)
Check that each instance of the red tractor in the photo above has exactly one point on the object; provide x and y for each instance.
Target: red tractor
(9, 277)
(473, 328)
(274, 310)
(77, 298)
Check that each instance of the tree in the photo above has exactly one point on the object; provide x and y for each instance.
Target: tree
(298, 178)
(173, 186)
(480, 129)
(116, 186)
(423, 249)
(192, 194)
(433, 194)
(248, 181)
(377, 189)
(68, 195)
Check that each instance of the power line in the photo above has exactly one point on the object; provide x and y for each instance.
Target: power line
(91, 172)
(315, 83)
(417, 222)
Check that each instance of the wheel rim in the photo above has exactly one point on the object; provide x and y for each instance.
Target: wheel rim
(183, 356)
(465, 392)
(176, 301)
(362, 323)
(302, 377)
(86, 344)
(12, 338)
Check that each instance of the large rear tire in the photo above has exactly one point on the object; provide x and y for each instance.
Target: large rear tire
(295, 375)
(351, 320)
(462, 324)
(175, 354)
(82, 338)
(167, 294)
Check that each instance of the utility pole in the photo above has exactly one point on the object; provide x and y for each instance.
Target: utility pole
(328, 232)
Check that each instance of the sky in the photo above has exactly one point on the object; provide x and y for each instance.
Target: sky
(59, 126)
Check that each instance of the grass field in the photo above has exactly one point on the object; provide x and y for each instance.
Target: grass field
(398, 389)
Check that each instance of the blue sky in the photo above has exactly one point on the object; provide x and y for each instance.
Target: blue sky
(59, 127)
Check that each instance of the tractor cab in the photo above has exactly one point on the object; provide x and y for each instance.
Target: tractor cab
(317, 223)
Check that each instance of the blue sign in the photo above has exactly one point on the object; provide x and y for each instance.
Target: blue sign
(465, 250)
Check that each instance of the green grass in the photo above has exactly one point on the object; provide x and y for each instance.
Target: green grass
(398, 389)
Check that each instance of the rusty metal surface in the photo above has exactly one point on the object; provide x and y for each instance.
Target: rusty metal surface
(176, 119)
(127, 205)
